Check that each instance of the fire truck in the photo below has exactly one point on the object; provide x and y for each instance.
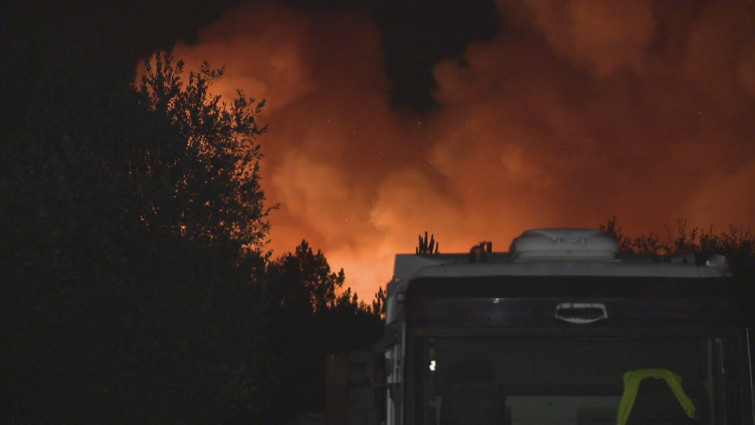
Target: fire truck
(565, 330)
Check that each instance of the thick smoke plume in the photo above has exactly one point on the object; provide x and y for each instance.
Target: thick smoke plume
(576, 111)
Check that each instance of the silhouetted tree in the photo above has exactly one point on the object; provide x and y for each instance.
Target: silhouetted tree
(200, 179)
(124, 298)
(735, 242)
(426, 246)
(378, 303)
(612, 228)
(114, 309)
(313, 316)
(303, 281)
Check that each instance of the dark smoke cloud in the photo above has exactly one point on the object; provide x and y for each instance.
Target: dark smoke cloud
(577, 111)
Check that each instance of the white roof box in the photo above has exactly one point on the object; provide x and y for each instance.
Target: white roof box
(564, 244)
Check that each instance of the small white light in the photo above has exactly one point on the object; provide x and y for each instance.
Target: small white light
(432, 365)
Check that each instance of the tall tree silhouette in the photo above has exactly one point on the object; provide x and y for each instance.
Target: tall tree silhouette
(313, 316)
(302, 280)
(200, 179)
(124, 299)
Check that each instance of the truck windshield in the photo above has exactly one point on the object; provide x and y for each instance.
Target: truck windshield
(591, 379)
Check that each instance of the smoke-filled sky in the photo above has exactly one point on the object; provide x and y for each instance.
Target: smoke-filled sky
(571, 113)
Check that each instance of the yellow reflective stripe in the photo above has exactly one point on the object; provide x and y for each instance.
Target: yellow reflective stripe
(632, 381)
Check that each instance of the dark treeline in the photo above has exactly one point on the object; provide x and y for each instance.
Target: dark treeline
(135, 283)
(735, 242)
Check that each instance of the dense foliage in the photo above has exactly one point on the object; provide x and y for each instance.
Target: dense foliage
(314, 316)
(737, 243)
(136, 288)
(201, 178)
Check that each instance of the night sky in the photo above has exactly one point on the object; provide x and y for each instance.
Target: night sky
(478, 120)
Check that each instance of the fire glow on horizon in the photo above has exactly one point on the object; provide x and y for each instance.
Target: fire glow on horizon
(576, 111)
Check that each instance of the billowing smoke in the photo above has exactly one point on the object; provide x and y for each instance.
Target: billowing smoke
(576, 111)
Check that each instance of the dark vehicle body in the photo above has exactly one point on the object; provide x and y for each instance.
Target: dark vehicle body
(563, 330)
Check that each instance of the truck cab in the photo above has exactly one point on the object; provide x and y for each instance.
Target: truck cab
(565, 330)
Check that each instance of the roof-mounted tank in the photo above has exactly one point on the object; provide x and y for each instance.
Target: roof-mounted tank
(566, 244)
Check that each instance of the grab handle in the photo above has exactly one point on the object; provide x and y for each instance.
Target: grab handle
(581, 313)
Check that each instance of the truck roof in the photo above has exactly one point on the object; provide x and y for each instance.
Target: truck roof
(542, 254)
(554, 252)
(410, 266)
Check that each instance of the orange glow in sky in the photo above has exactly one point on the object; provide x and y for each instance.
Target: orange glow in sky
(577, 111)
